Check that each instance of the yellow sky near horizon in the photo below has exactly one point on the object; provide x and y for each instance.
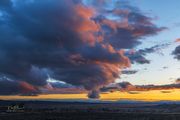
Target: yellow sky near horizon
(153, 95)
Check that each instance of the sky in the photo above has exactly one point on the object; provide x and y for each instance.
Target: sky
(167, 15)
(86, 46)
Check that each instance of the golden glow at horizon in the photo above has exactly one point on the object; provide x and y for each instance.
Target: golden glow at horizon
(153, 95)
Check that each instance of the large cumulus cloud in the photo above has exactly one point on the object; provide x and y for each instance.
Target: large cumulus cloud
(69, 40)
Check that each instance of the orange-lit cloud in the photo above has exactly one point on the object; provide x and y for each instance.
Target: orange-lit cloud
(26, 87)
(177, 40)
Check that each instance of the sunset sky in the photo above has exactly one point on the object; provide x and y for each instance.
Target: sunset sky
(75, 49)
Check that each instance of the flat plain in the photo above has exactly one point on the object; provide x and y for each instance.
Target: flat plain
(81, 110)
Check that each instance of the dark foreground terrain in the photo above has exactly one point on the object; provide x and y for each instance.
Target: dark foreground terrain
(51, 110)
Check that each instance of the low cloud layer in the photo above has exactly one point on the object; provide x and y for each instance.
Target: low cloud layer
(72, 41)
(126, 86)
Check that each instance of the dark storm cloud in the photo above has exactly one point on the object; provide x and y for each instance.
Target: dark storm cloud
(9, 87)
(68, 41)
(176, 52)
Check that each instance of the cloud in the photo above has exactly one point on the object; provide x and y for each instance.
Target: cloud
(63, 90)
(176, 52)
(10, 87)
(126, 86)
(94, 94)
(129, 72)
(56, 85)
(128, 26)
(158, 87)
(177, 40)
(68, 40)
(177, 81)
(122, 86)
(139, 56)
(133, 92)
(166, 91)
